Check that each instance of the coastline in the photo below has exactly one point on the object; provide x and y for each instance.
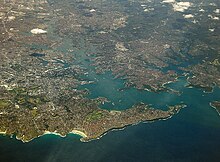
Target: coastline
(215, 108)
(137, 123)
(80, 133)
(3, 133)
(84, 136)
(76, 132)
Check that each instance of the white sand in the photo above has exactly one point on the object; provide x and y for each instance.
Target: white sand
(3, 132)
(82, 134)
(54, 133)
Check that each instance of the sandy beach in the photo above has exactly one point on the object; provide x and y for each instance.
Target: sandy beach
(82, 134)
(3, 132)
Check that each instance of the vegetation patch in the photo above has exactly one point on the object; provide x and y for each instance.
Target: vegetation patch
(95, 115)
(23, 99)
(4, 103)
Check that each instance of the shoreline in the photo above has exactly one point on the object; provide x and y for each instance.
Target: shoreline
(3, 133)
(84, 136)
(215, 108)
(80, 133)
(75, 132)
(134, 124)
